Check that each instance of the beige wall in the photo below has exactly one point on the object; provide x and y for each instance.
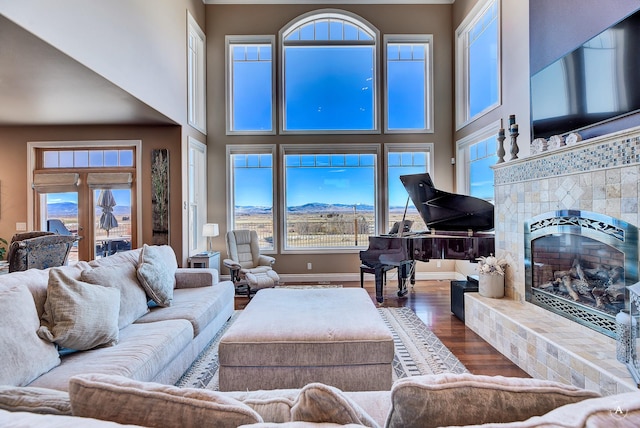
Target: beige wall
(268, 20)
(15, 183)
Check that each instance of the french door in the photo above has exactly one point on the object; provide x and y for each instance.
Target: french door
(88, 193)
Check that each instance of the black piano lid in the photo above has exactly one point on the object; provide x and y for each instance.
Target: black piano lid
(444, 211)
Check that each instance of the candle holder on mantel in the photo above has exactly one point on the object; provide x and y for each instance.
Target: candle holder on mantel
(500, 151)
(514, 143)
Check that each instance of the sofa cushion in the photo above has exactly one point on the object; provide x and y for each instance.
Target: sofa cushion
(323, 403)
(133, 299)
(79, 315)
(35, 400)
(197, 305)
(425, 401)
(156, 272)
(274, 405)
(154, 404)
(19, 341)
(26, 419)
(143, 351)
(299, 424)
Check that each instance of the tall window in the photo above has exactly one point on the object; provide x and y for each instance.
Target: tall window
(405, 160)
(478, 62)
(408, 80)
(196, 76)
(250, 85)
(251, 191)
(329, 196)
(329, 74)
(477, 153)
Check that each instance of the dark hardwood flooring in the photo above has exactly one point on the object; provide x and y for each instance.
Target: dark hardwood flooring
(430, 300)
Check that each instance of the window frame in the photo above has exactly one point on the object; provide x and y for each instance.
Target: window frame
(426, 39)
(463, 173)
(233, 149)
(316, 15)
(462, 77)
(196, 76)
(287, 149)
(398, 148)
(231, 40)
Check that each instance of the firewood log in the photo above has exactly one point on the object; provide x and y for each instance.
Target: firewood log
(566, 280)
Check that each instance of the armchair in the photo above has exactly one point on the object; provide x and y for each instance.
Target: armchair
(250, 270)
(39, 250)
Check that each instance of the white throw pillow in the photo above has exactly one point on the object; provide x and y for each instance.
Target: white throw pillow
(25, 355)
(78, 315)
(126, 401)
(157, 272)
(133, 299)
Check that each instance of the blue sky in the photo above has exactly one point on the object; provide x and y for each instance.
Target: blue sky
(122, 197)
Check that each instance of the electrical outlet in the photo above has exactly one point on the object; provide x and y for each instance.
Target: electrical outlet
(21, 227)
(438, 263)
(309, 266)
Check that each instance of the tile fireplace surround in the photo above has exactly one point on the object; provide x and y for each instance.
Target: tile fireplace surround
(599, 175)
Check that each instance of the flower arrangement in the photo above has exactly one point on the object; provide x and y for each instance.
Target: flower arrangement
(491, 265)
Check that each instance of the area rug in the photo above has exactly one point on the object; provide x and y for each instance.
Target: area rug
(417, 351)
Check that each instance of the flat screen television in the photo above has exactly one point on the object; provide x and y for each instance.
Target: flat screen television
(594, 85)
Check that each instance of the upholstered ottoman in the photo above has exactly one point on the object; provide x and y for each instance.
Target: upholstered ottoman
(286, 338)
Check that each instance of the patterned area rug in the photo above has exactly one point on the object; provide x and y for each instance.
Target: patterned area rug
(418, 351)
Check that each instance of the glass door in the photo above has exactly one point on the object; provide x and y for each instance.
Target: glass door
(59, 214)
(111, 221)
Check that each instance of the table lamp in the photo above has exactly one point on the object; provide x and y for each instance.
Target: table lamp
(210, 230)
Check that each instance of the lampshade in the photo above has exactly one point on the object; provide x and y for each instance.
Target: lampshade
(210, 229)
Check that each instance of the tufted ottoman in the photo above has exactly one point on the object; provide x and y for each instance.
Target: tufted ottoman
(286, 338)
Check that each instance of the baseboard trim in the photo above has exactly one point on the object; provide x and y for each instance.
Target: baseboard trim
(321, 278)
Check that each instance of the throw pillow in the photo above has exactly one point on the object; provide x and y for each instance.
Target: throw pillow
(34, 400)
(318, 402)
(157, 272)
(272, 405)
(425, 401)
(301, 425)
(154, 405)
(25, 355)
(79, 315)
(133, 300)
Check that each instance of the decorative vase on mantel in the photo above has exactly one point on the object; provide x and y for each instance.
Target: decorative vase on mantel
(491, 285)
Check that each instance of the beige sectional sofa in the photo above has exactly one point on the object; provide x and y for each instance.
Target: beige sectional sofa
(98, 400)
(103, 309)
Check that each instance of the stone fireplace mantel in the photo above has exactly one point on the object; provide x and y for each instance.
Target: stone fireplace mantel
(598, 175)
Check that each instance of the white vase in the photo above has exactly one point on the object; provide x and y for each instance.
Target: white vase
(491, 286)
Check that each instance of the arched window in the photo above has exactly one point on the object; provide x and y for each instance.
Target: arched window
(329, 74)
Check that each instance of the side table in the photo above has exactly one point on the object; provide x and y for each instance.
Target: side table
(458, 288)
(210, 260)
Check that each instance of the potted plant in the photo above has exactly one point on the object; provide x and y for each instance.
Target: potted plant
(491, 276)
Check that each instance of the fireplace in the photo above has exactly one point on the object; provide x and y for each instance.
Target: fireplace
(578, 264)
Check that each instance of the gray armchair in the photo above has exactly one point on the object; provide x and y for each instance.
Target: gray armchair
(39, 250)
(250, 270)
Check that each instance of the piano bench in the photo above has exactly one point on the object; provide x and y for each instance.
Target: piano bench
(367, 269)
(458, 288)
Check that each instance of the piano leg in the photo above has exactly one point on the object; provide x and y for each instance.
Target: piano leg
(405, 270)
(379, 274)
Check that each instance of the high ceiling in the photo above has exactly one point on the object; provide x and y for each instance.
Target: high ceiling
(39, 85)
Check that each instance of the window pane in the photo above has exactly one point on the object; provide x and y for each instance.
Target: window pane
(50, 159)
(126, 157)
(483, 63)
(253, 196)
(404, 163)
(81, 158)
(110, 158)
(252, 88)
(66, 159)
(96, 158)
(329, 88)
(406, 86)
(330, 206)
(480, 172)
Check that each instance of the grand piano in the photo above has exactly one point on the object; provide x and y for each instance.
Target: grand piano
(458, 228)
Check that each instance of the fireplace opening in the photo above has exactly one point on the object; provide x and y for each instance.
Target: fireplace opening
(578, 264)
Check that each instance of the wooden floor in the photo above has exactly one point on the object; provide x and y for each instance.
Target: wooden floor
(430, 300)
